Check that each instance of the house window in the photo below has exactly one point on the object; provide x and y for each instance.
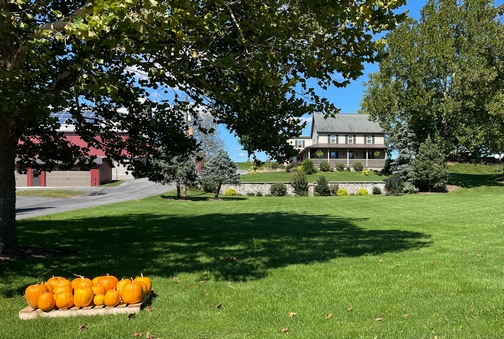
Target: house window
(350, 139)
(350, 155)
(370, 155)
(333, 155)
(369, 139)
(299, 143)
(332, 139)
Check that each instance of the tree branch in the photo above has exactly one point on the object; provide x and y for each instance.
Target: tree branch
(59, 26)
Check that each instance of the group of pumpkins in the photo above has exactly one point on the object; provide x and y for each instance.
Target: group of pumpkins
(59, 292)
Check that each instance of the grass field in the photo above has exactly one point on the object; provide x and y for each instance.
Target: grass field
(283, 176)
(414, 266)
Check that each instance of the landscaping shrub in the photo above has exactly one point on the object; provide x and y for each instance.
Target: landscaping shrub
(340, 166)
(341, 192)
(376, 190)
(334, 188)
(309, 167)
(322, 187)
(324, 166)
(358, 166)
(348, 169)
(299, 183)
(281, 166)
(291, 167)
(393, 186)
(409, 188)
(230, 192)
(365, 172)
(362, 191)
(259, 194)
(250, 194)
(208, 186)
(300, 168)
(274, 166)
(278, 189)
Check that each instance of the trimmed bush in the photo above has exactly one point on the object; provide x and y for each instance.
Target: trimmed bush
(358, 166)
(230, 192)
(334, 188)
(309, 167)
(300, 168)
(409, 188)
(393, 186)
(365, 172)
(362, 191)
(208, 186)
(278, 189)
(341, 192)
(291, 167)
(259, 194)
(340, 166)
(250, 194)
(322, 187)
(299, 183)
(324, 166)
(376, 190)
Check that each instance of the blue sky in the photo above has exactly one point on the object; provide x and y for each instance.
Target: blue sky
(347, 99)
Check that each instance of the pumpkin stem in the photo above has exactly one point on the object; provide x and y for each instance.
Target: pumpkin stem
(80, 276)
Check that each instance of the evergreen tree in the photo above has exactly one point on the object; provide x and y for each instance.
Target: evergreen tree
(220, 169)
(405, 143)
(430, 169)
(180, 170)
(300, 183)
(322, 187)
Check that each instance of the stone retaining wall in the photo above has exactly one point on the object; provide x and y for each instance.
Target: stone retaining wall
(264, 187)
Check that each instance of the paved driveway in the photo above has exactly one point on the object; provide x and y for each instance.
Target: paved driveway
(27, 207)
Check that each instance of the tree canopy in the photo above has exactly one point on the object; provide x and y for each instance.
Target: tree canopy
(248, 62)
(443, 76)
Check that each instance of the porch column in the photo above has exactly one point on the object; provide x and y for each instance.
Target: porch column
(367, 163)
(347, 158)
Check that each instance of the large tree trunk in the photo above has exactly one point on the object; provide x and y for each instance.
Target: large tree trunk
(8, 143)
(218, 189)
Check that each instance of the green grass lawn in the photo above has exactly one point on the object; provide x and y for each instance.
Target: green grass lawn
(283, 176)
(414, 266)
(49, 193)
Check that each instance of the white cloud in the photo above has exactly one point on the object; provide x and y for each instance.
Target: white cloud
(242, 155)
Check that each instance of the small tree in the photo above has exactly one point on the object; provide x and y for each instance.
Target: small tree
(181, 170)
(405, 142)
(220, 169)
(300, 183)
(430, 169)
(324, 166)
(322, 187)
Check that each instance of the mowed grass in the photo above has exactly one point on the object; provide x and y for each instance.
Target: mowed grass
(283, 176)
(414, 266)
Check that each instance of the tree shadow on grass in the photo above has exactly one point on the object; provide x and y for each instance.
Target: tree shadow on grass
(230, 247)
(474, 180)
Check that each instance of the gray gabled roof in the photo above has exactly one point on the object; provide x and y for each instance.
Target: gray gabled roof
(345, 123)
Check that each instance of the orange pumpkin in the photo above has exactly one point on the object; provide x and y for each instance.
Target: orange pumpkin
(63, 286)
(120, 285)
(146, 280)
(50, 288)
(64, 300)
(33, 292)
(108, 281)
(46, 302)
(99, 299)
(83, 296)
(54, 281)
(131, 292)
(81, 281)
(144, 288)
(95, 280)
(98, 290)
(112, 298)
